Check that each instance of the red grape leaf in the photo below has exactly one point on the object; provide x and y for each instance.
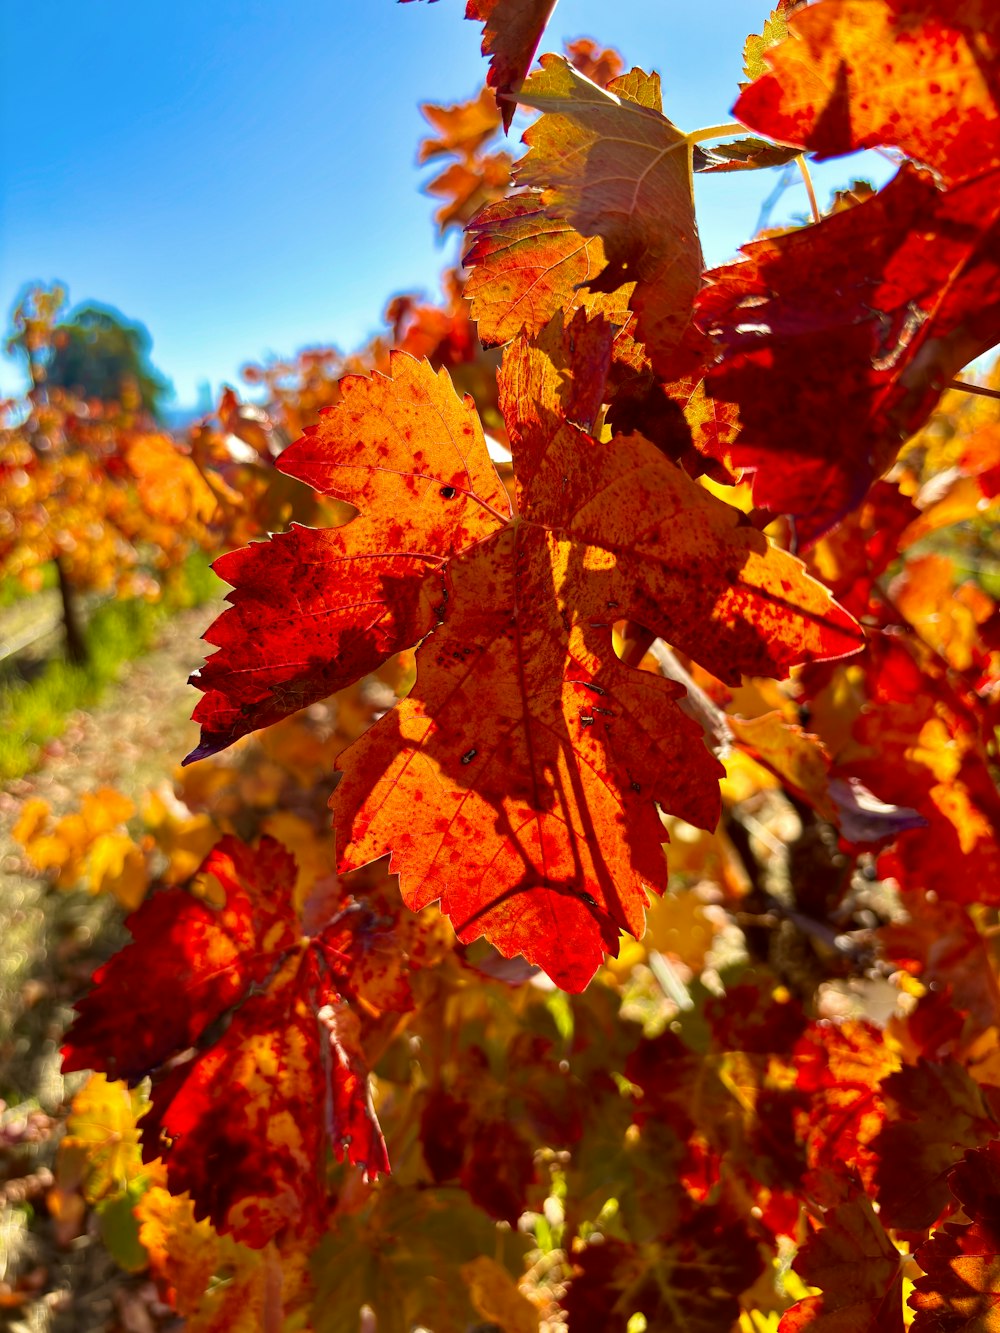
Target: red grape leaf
(798, 332)
(848, 67)
(414, 461)
(841, 1069)
(526, 753)
(918, 744)
(860, 1273)
(517, 781)
(260, 1007)
(960, 1289)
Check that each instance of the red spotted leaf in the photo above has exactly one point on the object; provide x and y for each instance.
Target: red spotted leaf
(256, 1055)
(920, 75)
(519, 780)
(414, 462)
(527, 266)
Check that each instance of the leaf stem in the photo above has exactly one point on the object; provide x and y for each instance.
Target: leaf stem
(715, 132)
(803, 166)
(979, 389)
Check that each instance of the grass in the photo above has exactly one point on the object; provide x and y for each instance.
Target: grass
(35, 712)
(13, 591)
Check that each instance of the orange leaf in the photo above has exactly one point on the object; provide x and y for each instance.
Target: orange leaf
(613, 166)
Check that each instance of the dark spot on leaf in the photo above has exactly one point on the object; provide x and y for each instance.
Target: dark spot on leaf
(448, 492)
(589, 685)
(468, 757)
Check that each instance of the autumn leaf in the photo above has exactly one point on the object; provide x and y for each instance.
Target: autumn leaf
(214, 1282)
(598, 64)
(919, 745)
(524, 735)
(102, 1130)
(414, 460)
(775, 30)
(960, 1289)
(859, 1271)
(745, 154)
(526, 266)
(665, 1281)
(793, 755)
(935, 1111)
(941, 945)
(170, 485)
(842, 1070)
(417, 1280)
(512, 30)
(88, 847)
(290, 1059)
(795, 332)
(839, 81)
(608, 163)
(461, 129)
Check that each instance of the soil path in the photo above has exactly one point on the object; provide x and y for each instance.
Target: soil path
(49, 945)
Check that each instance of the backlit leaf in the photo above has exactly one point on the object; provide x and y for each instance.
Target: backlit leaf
(917, 74)
(261, 990)
(859, 1271)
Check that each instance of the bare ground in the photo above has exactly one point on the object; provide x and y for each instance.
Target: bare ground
(50, 942)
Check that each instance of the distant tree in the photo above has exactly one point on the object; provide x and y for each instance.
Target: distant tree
(97, 353)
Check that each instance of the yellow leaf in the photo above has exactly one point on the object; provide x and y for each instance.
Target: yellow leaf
(102, 1137)
(217, 1284)
(495, 1295)
(676, 925)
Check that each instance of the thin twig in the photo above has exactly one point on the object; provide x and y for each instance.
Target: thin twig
(979, 389)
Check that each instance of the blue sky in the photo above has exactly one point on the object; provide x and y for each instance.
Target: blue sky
(240, 175)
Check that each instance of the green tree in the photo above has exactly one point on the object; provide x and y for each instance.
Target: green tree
(97, 352)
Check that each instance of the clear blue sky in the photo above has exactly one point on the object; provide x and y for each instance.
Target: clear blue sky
(240, 175)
